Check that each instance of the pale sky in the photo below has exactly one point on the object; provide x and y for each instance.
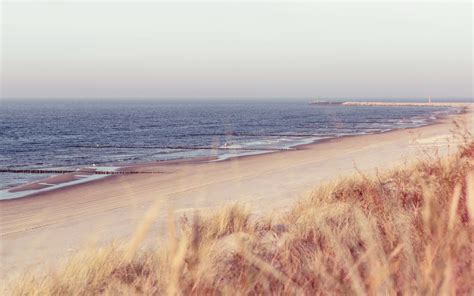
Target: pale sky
(236, 50)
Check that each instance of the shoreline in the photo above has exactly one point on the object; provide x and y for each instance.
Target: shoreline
(52, 223)
(75, 179)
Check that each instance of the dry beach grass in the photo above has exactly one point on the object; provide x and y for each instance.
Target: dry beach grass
(409, 230)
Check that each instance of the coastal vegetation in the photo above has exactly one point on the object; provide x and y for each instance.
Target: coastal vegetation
(408, 230)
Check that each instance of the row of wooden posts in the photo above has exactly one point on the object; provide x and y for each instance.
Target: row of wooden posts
(30, 171)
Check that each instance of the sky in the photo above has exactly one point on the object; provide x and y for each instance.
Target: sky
(230, 49)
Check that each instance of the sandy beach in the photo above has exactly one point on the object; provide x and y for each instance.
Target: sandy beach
(46, 227)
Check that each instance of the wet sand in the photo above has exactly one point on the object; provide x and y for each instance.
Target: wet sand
(42, 228)
(54, 180)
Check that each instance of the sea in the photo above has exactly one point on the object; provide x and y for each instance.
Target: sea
(72, 134)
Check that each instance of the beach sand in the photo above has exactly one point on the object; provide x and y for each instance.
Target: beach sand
(43, 228)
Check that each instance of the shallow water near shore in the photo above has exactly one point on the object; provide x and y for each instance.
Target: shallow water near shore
(72, 135)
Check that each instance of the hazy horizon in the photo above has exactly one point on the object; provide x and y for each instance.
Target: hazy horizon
(236, 50)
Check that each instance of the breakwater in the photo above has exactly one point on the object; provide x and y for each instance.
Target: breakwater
(408, 104)
(27, 171)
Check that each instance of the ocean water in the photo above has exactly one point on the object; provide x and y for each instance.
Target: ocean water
(71, 135)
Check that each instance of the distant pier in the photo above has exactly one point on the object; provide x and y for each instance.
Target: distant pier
(393, 104)
(325, 103)
(408, 104)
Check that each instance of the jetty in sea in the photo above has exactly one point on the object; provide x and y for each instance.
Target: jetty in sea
(317, 101)
(408, 104)
(429, 103)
